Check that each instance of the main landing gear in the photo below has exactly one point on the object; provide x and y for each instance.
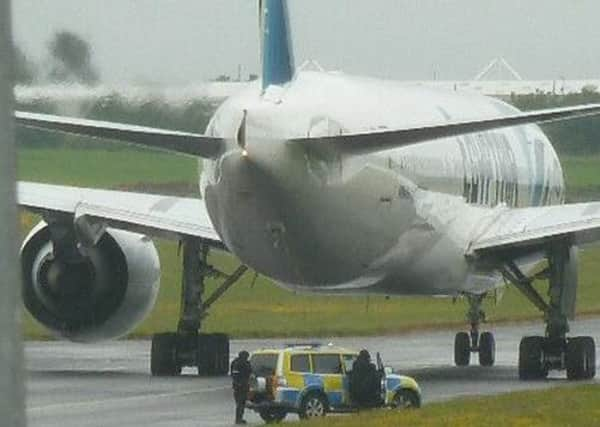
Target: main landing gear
(187, 347)
(554, 351)
(474, 342)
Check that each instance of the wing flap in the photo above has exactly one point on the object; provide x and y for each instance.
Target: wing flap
(515, 229)
(158, 216)
(384, 140)
(168, 140)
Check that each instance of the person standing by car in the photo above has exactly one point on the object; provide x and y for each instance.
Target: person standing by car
(240, 376)
(364, 382)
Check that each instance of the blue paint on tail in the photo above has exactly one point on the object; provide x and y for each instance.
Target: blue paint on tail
(278, 57)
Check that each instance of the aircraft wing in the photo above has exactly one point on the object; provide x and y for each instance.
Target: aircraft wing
(384, 140)
(529, 229)
(154, 215)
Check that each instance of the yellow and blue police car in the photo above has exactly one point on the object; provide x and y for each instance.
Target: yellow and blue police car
(312, 380)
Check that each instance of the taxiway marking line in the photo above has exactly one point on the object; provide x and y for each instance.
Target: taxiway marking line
(75, 405)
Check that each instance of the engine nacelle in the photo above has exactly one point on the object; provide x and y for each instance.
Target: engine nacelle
(103, 294)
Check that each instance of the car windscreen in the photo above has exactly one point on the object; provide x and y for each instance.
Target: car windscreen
(264, 365)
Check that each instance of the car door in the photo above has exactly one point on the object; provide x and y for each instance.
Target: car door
(328, 367)
(347, 363)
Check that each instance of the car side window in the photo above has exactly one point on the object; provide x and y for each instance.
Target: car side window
(348, 362)
(327, 364)
(300, 363)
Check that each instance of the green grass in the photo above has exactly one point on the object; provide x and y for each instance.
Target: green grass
(100, 168)
(259, 309)
(565, 406)
(104, 169)
(582, 175)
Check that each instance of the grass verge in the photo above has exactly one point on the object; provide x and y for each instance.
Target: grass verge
(561, 406)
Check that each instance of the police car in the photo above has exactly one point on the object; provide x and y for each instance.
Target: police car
(312, 380)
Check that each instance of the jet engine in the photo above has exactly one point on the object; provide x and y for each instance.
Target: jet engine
(93, 292)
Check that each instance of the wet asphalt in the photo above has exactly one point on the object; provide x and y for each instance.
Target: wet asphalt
(109, 384)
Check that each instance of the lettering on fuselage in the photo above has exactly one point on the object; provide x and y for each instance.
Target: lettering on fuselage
(490, 169)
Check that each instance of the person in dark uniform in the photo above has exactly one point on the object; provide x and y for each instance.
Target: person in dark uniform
(365, 382)
(240, 376)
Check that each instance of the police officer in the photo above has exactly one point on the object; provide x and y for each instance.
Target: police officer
(240, 376)
(364, 381)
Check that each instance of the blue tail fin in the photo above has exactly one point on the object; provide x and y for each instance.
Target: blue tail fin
(277, 54)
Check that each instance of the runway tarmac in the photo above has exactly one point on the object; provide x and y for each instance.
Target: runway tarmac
(109, 384)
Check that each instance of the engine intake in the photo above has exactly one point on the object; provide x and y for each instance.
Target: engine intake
(102, 294)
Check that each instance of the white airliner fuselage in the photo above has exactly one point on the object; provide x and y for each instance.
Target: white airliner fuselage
(395, 222)
(325, 183)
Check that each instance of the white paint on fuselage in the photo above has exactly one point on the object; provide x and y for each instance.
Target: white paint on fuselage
(456, 185)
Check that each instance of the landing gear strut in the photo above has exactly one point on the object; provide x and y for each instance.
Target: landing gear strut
(474, 342)
(554, 351)
(187, 347)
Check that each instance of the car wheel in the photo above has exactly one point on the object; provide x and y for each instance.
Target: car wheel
(406, 399)
(271, 416)
(313, 406)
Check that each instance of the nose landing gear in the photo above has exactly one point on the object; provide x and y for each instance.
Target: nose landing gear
(188, 347)
(475, 342)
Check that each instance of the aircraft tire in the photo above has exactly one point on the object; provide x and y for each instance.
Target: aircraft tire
(213, 354)
(462, 349)
(163, 355)
(487, 349)
(591, 348)
(221, 365)
(531, 359)
(581, 358)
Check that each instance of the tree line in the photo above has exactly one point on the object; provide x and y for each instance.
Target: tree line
(69, 60)
(578, 136)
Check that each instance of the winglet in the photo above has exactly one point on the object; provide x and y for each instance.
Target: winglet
(277, 53)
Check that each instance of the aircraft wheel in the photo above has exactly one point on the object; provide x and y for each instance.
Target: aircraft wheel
(581, 358)
(487, 349)
(531, 359)
(591, 348)
(462, 349)
(213, 354)
(163, 356)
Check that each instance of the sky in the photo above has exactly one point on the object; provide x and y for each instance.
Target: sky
(186, 41)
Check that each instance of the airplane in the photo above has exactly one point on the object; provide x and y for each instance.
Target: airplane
(328, 184)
